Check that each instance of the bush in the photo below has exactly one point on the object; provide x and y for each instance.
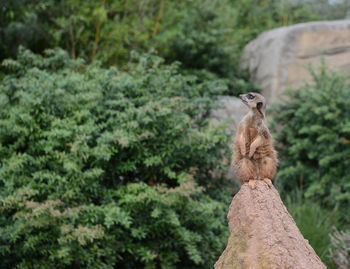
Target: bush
(315, 223)
(105, 169)
(340, 251)
(207, 37)
(313, 130)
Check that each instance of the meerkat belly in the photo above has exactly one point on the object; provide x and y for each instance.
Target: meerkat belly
(262, 152)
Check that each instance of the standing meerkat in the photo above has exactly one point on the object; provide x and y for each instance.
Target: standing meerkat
(254, 157)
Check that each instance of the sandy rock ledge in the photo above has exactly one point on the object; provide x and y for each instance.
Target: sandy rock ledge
(264, 235)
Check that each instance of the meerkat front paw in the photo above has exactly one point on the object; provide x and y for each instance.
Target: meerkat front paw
(268, 181)
(251, 184)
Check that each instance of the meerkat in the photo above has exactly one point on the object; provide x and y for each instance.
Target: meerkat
(254, 157)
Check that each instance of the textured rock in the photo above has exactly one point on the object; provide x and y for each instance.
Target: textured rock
(264, 235)
(231, 109)
(277, 59)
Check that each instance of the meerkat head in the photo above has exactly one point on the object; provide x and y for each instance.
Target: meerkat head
(255, 102)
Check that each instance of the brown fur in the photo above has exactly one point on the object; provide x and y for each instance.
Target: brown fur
(254, 157)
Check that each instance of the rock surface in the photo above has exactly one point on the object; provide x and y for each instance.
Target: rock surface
(230, 108)
(264, 235)
(278, 58)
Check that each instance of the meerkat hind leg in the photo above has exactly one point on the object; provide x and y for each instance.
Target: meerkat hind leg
(245, 170)
(267, 170)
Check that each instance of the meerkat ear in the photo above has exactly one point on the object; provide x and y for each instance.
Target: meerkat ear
(259, 105)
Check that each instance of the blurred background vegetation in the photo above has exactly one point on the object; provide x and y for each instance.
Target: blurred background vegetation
(106, 149)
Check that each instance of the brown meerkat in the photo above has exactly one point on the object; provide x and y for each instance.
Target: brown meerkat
(254, 157)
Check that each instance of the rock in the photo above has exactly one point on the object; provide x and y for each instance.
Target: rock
(231, 109)
(277, 59)
(264, 235)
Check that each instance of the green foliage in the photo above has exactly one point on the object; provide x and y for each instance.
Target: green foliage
(256, 16)
(138, 226)
(21, 24)
(102, 168)
(340, 251)
(112, 167)
(207, 37)
(315, 223)
(313, 131)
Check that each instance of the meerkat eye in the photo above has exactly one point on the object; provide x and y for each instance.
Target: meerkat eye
(250, 96)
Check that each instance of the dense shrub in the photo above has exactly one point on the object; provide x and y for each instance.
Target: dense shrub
(103, 169)
(313, 130)
(314, 222)
(207, 37)
(340, 251)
